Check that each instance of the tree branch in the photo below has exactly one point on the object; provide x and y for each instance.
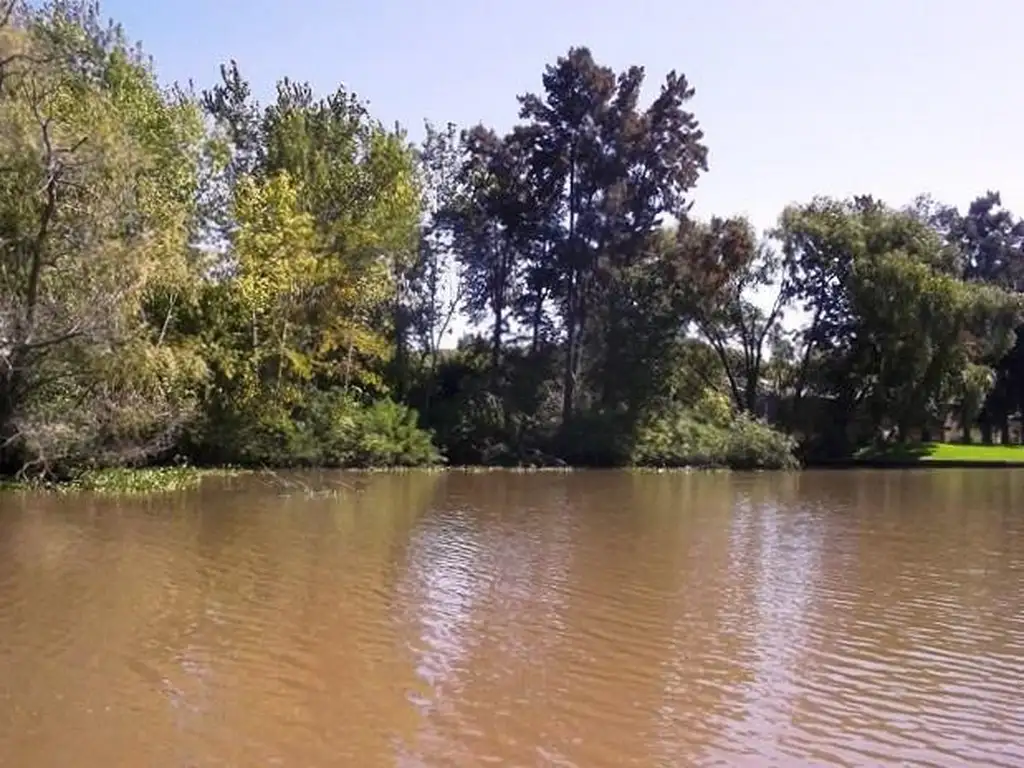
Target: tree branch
(718, 344)
(45, 217)
(7, 11)
(167, 320)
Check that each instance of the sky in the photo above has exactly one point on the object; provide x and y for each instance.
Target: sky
(796, 97)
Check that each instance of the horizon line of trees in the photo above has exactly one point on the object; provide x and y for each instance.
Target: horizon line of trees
(202, 276)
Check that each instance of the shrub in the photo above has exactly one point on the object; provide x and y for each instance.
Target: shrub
(262, 432)
(508, 418)
(682, 439)
(332, 429)
(471, 427)
(753, 444)
(386, 434)
(597, 439)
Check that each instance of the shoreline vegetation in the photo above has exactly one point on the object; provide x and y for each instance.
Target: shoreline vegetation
(123, 481)
(197, 279)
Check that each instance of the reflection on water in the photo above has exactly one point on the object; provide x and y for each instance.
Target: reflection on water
(586, 619)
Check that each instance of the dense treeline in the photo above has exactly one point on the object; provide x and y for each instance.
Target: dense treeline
(202, 277)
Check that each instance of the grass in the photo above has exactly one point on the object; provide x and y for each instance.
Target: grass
(944, 453)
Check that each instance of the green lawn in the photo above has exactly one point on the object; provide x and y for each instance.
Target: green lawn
(939, 453)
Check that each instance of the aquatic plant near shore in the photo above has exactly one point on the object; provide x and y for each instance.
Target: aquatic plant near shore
(122, 481)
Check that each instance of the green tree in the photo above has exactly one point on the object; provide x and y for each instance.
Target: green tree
(484, 225)
(357, 183)
(727, 271)
(892, 325)
(613, 171)
(96, 206)
(430, 289)
(990, 241)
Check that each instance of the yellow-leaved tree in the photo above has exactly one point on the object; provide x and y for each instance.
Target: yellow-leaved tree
(315, 204)
(96, 200)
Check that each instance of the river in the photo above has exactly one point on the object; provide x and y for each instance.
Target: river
(589, 619)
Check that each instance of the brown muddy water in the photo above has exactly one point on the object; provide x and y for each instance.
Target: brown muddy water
(590, 619)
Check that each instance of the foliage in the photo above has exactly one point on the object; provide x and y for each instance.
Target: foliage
(724, 267)
(149, 480)
(429, 290)
(382, 434)
(606, 174)
(327, 193)
(118, 481)
(95, 207)
(476, 425)
(989, 243)
(273, 284)
(324, 428)
(893, 326)
(682, 438)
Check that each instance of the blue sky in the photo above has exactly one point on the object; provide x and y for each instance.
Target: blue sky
(797, 97)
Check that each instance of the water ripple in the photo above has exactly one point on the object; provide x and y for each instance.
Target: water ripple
(591, 620)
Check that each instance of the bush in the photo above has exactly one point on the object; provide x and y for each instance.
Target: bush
(262, 432)
(715, 408)
(682, 439)
(386, 434)
(753, 444)
(508, 418)
(330, 429)
(471, 427)
(596, 439)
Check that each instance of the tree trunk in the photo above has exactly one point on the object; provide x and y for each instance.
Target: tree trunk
(402, 350)
(751, 393)
(9, 395)
(572, 316)
(578, 347)
(348, 365)
(569, 376)
(965, 429)
(496, 341)
(538, 313)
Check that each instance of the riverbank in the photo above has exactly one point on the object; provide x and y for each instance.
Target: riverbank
(935, 455)
(154, 480)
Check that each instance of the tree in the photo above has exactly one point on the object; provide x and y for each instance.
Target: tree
(260, 283)
(431, 290)
(96, 202)
(612, 171)
(725, 268)
(990, 241)
(484, 229)
(357, 184)
(892, 327)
